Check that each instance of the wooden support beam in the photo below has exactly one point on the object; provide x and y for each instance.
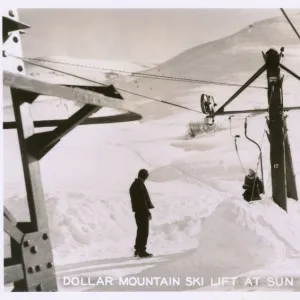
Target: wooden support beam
(39, 144)
(230, 112)
(11, 229)
(31, 266)
(13, 273)
(39, 236)
(75, 94)
(126, 117)
(9, 215)
(240, 90)
(31, 168)
(289, 71)
(108, 91)
(74, 120)
(276, 128)
(290, 173)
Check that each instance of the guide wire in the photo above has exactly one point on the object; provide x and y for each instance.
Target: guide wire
(145, 75)
(102, 84)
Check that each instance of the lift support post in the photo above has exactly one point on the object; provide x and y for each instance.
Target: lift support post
(276, 128)
(283, 176)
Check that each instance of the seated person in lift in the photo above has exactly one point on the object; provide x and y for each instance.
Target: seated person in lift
(253, 187)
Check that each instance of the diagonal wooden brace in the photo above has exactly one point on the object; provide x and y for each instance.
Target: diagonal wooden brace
(289, 71)
(9, 215)
(39, 144)
(108, 91)
(12, 230)
(120, 118)
(240, 90)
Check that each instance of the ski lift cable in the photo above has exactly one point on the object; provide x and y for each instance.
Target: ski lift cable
(290, 22)
(235, 143)
(145, 75)
(119, 89)
(240, 160)
(238, 136)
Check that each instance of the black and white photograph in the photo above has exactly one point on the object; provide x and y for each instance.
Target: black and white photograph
(151, 149)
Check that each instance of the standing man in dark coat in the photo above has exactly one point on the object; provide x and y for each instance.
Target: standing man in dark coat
(141, 205)
(253, 187)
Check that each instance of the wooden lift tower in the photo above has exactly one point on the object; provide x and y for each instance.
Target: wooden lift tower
(30, 267)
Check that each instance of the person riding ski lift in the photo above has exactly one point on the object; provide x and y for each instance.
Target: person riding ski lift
(253, 187)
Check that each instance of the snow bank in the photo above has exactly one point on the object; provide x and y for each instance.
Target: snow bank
(242, 234)
(237, 238)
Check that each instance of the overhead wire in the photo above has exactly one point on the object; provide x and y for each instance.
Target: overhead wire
(144, 75)
(102, 84)
(290, 22)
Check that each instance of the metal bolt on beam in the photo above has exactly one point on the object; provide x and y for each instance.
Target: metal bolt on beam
(45, 236)
(38, 268)
(11, 13)
(34, 250)
(39, 288)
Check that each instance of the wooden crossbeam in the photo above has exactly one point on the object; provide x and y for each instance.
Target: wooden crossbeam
(26, 83)
(126, 117)
(108, 91)
(11, 229)
(13, 273)
(230, 112)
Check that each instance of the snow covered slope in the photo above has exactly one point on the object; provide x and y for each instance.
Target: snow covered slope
(233, 59)
(98, 70)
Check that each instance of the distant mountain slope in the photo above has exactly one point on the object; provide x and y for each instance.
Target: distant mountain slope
(227, 55)
(232, 59)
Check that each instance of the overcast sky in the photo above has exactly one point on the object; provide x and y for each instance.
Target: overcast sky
(130, 34)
